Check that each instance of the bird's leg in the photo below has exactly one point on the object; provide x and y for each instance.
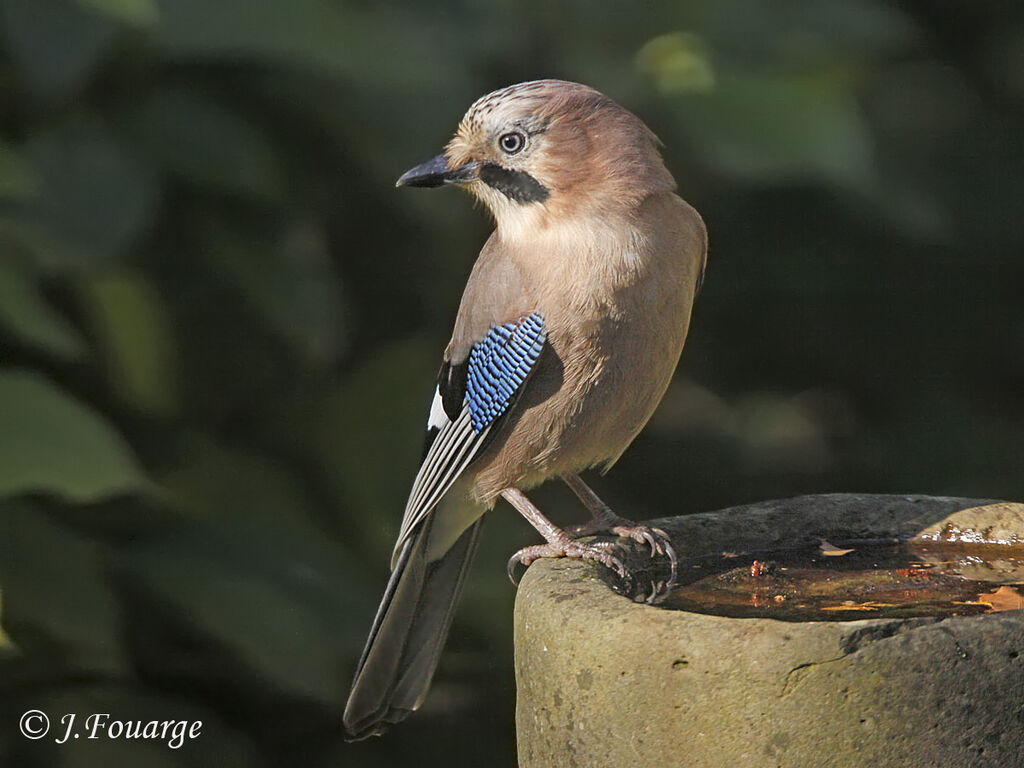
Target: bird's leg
(559, 543)
(603, 519)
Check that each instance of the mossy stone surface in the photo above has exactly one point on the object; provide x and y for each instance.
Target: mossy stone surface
(603, 681)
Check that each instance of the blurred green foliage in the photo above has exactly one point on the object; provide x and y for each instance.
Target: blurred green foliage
(219, 324)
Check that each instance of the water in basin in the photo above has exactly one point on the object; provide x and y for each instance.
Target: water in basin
(844, 581)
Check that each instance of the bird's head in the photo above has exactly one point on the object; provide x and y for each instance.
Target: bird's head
(546, 150)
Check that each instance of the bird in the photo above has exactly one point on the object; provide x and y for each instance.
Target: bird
(569, 330)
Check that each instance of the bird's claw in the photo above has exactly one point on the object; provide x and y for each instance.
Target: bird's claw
(510, 568)
(599, 552)
(654, 538)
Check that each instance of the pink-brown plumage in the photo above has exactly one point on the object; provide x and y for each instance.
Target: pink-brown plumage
(617, 303)
(591, 237)
(612, 260)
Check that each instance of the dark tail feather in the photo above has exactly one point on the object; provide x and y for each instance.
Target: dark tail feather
(408, 633)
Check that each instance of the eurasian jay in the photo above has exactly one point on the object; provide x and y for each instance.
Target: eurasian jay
(568, 333)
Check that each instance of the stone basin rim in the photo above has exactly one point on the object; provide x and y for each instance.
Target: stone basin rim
(779, 525)
(604, 681)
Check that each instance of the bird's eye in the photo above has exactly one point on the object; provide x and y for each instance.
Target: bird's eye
(511, 143)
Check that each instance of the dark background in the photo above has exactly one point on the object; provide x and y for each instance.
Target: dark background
(220, 323)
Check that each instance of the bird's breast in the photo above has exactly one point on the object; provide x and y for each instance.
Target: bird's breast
(617, 309)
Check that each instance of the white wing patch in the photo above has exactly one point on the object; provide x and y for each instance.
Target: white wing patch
(438, 419)
(486, 385)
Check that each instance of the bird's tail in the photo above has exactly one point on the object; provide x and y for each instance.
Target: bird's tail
(409, 631)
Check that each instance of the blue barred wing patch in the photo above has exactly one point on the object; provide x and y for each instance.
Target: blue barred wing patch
(499, 364)
(471, 396)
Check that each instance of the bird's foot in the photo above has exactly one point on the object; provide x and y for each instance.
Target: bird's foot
(599, 551)
(655, 538)
(604, 520)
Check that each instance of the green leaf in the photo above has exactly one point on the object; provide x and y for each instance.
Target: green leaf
(26, 313)
(279, 599)
(5, 639)
(216, 482)
(331, 38)
(94, 198)
(51, 443)
(135, 340)
(17, 178)
(781, 127)
(56, 596)
(678, 62)
(803, 34)
(289, 280)
(202, 142)
(56, 46)
(370, 432)
(139, 13)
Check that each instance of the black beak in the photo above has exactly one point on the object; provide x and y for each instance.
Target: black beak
(436, 172)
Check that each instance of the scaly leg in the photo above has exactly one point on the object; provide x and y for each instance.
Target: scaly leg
(606, 520)
(559, 543)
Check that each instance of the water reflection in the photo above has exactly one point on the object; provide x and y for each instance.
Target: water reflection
(839, 582)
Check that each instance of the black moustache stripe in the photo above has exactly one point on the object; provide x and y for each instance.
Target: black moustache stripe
(515, 185)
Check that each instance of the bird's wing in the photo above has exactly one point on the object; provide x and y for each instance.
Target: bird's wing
(470, 399)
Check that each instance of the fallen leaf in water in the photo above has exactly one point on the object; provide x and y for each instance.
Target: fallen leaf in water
(1003, 599)
(830, 550)
(861, 607)
(728, 555)
(849, 605)
(913, 573)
